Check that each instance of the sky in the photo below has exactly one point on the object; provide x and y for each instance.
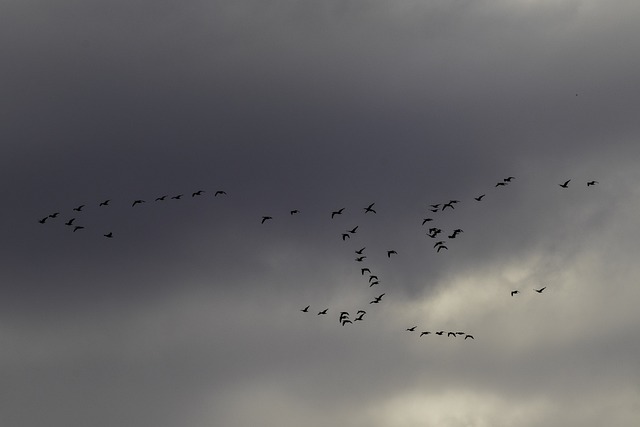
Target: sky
(190, 314)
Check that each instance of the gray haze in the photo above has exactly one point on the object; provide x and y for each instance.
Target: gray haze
(190, 315)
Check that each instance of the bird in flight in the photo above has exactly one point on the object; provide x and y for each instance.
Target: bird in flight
(434, 210)
(323, 311)
(446, 205)
(509, 178)
(53, 215)
(369, 208)
(442, 247)
(540, 290)
(306, 309)
(373, 277)
(469, 336)
(514, 292)
(361, 258)
(439, 332)
(338, 212)
(391, 252)
(566, 184)
(440, 243)
(479, 198)
(70, 222)
(590, 183)
(43, 220)
(424, 333)
(353, 230)
(426, 220)
(105, 203)
(411, 329)
(137, 202)
(375, 282)
(344, 315)
(295, 211)
(365, 270)
(451, 333)
(220, 193)
(161, 198)
(77, 227)
(361, 314)
(177, 197)
(436, 206)
(345, 236)
(79, 208)
(377, 299)
(264, 218)
(197, 193)
(500, 184)
(359, 251)
(109, 235)
(345, 321)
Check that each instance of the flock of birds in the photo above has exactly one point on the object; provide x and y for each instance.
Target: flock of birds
(373, 279)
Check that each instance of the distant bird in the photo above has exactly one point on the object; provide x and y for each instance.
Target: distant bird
(590, 183)
(137, 202)
(295, 211)
(424, 333)
(458, 230)
(434, 210)
(344, 315)
(365, 270)
(459, 333)
(436, 206)
(361, 258)
(442, 247)
(345, 236)
(361, 312)
(109, 235)
(264, 218)
(391, 252)
(338, 212)
(509, 179)
(540, 290)
(79, 208)
(77, 227)
(426, 220)
(105, 203)
(440, 243)
(345, 321)
(43, 220)
(369, 208)
(479, 198)
(353, 230)
(452, 236)
(411, 329)
(359, 251)
(161, 198)
(323, 311)
(220, 193)
(500, 184)
(454, 201)
(53, 215)
(451, 333)
(377, 299)
(439, 332)
(373, 283)
(197, 193)
(566, 184)
(70, 222)
(177, 197)
(360, 316)
(514, 292)
(306, 309)
(447, 205)
(469, 336)
(373, 277)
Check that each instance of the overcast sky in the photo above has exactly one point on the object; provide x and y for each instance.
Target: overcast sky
(190, 314)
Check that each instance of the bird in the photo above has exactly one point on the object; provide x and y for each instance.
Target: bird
(293, 212)
(426, 220)
(137, 202)
(479, 198)
(434, 210)
(459, 333)
(458, 230)
(514, 292)
(79, 208)
(43, 220)
(306, 309)
(177, 197)
(359, 251)
(197, 193)
(345, 321)
(264, 218)
(377, 299)
(540, 290)
(220, 193)
(469, 336)
(509, 178)
(338, 212)
(439, 332)
(105, 203)
(451, 333)
(566, 184)
(501, 184)
(452, 236)
(450, 205)
(323, 311)
(442, 247)
(77, 227)
(70, 222)
(424, 333)
(373, 277)
(373, 283)
(109, 235)
(53, 215)
(344, 315)
(440, 243)
(369, 208)
(391, 252)
(436, 206)
(161, 198)
(353, 230)
(361, 312)
(361, 258)
(345, 236)
(360, 316)
(590, 183)
(411, 329)
(365, 270)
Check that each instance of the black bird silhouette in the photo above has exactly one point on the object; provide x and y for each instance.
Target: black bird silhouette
(566, 184)
(442, 247)
(377, 299)
(53, 215)
(458, 230)
(136, 202)
(197, 193)
(109, 235)
(411, 329)
(391, 252)
(469, 336)
(479, 198)
(459, 333)
(359, 251)
(452, 236)
(43, 220)
(77, 227)
(446, 205)
(105, 203)
(306, 309)
(264, 218)
(373, 283)
(360, 316)
(590, 183)
(373, 277)
(509, 178)
(451, 333)
(219, 193)
(70, 222)
(426, 220)
(353, 230)
(177, 197)
(365, 270)
(345, 321)
(361, 312)
(434, 210)
(440, 243)
(323, 311)
(500, 184)
(368, 208)
(436, 206)
(361, 258)
(338, 212)
(345, 236)
(295, 211)
(161, 198)
(79, 208)
(514, 292)
(439, 332)
(540, 290)
(344, 315)
(424, 333)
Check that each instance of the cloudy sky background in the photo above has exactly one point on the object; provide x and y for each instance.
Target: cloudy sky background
(190, 314)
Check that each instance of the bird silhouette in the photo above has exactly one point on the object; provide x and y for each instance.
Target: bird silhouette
(105, 203)
(220, 193)
(79, 208)
(540, 290)
(359, 251)
(323, 311)
(411, 329)
(344, 315)
(377, 299)
(369, 208)
(391, 252)
(447, 205)
(306, 309)
(566, 184)
(353, 230)
(137, 202)
(365, 270)
(177, 197)
(345, 236)
(509, 178)
(264, 218)
(53, 215)
(514, 292)
(424, 333)
(451, 333)
(360, 316)
(590, 183)
(77, 227)
(43, 220)
(109, 235)
(500, 184)
(479, 198)
(373, 277)
(345, 321)
(426, 220)
(436, 206)
(295, 211)
(434, 210)
(70, 222)
(469, 336)
(361, 312)
(442, 247)
(439, 332)
(197, 193)
(361, 258)
(373, 283)
(338, 212)
(440, 243)
(161, 198)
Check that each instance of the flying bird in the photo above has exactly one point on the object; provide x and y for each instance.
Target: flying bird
(137, 202)
(391, 252)
(43, 220)
(344, 315)
(79, 208)
(323, 311)
(353, 230)
(220, 193)
(365, 270)
(469, 336)
(105, 203)
(264, 218)
(345, 236)
(451, 333)
(514, 292)
(70, 222)
(424, 333)
(426, 220)
(590, 183)
(442, 247)
(440, 243)
(53, 215)
(479, 198)
(197, 193)
(450, 205)
(436, 206)
(509, 179)
(338, 212)
(359, 251)
(360, 316)
(540, 290)
(377, 299)
(369, 208)
(345, 321)
(109, 235)
(177, 197)
(361, 258)
(295, 211)
(434, 210)
(411, 329)
(77, 227)
(306, 309)
(439, 332)
(500, 184)
(161, 198)
(373, 283)
(373, 277)
(566, 184)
